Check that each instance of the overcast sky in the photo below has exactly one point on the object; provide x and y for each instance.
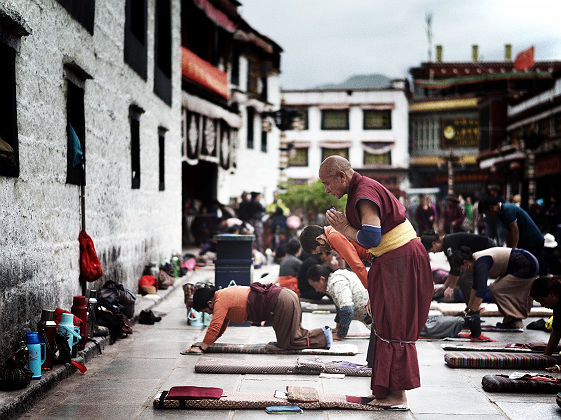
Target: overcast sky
(326, 41)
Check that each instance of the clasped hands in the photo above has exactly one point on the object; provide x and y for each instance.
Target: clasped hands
(338, 220)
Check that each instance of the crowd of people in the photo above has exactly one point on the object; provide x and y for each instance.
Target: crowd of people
(374, 265)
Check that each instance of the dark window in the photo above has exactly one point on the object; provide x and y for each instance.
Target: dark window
(82, 11)
(135, 36)
(335, 119)
(250, 123)
(253, 75)
(326, 152)
(9, 150)
(162, 51)
(134, 117)
(298, 156)
(75, 173)
(264, 141)
(372, 159)
(162, 160)
(303, 116)
(264, 88)
(377, 119)
(235, 74)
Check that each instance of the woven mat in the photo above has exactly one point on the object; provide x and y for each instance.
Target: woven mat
(534, 347)
(335, 350)
(300, 366)
(320, 308)
(487, 309)
(502, 383)
(480, 360)
(244, 400)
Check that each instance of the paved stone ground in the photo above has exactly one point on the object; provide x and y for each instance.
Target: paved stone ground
(121, 383)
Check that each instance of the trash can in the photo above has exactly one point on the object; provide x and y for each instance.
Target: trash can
(234, 260)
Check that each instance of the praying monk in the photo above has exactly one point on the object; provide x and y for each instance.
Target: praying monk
(400, 283)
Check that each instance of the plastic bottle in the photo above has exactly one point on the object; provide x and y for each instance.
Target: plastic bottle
(47, 330)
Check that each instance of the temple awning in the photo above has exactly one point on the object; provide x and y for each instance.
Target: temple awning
(217, 16)
(453, 81)
(202, 72)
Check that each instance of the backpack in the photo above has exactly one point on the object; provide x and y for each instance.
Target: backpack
(90, 268)
(117, 299)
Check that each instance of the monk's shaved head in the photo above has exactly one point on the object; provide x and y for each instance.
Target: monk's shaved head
(335, 164)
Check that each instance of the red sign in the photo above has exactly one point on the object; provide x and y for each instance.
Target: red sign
(202, 72)
(548, 165)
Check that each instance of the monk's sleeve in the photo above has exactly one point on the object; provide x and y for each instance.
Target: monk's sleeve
(218, 324)
(348, 252)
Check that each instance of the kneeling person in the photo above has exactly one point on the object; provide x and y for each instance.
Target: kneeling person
(347, 292)
(258, 303)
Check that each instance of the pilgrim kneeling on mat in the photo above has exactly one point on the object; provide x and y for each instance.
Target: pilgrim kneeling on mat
(351, 299)
(514, 271)
(546, 290)
(258, 303)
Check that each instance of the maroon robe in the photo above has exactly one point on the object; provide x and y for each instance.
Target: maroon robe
(400, 287)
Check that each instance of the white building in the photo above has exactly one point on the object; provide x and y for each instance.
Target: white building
(364, 119)
(111, 71)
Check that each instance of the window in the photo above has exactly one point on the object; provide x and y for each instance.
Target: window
(235, 73)
(250, 123)
(75, 124)
(252, 77)
(264, 141)
(335, 119)
(303, 118)
(326, 152)
(264, 88)
(9, 150)
(135, 36)
(377, 153)
(162, 160)
(82, 11)
(377, 119)
(134, 116)
(162, 51)
(298, 156)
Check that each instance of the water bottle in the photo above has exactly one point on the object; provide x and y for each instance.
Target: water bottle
(47, 330)
(68, 329)
(37, 353)
(80, 309)
(195, 318)
(92, 306)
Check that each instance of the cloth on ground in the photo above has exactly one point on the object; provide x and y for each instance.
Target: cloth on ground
(529, 383)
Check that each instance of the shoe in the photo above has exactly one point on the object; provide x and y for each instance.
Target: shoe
(473, 322)
(146, 317)
(328, 336)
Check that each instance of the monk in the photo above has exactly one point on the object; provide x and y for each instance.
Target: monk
(400, 283)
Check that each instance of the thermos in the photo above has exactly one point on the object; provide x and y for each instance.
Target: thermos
(47, 330)
(92, 306)
(69, 330)
(37, 351)
(80, 309)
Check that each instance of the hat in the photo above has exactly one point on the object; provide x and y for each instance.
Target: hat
(550, 241)
(452, 197)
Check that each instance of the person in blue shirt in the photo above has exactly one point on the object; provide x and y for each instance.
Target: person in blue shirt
(520, 229)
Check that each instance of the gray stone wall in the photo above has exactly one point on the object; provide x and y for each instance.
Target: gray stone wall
(40, 214)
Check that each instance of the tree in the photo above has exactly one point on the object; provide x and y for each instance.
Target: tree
(311, 199)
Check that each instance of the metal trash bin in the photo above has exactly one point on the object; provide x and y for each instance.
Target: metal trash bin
(234, 260)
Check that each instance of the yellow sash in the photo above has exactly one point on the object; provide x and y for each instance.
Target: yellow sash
(398, 236)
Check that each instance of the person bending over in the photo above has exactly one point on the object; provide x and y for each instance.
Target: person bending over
(450, 243)
(513, 270)
(258, 303)
(348, 294)
(546, 290)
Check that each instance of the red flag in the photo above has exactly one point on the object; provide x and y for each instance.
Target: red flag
(524, 60)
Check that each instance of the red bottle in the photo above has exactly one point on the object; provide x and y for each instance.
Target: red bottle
(80, 309)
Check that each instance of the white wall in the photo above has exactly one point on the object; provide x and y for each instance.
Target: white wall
(39, 212)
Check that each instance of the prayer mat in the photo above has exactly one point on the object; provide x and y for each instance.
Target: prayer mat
(336, 349)
(313, 307)
(479, 360)
(358, 335)
(493, 328)
(300, 366)
(528, 383)
(487, 309)
(460, 337)
(536, 347)
(248, 400)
